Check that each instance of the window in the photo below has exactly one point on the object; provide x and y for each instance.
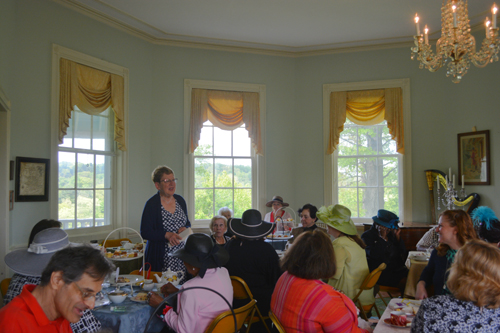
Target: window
(368, 170)
(365, 173)
(85, 171)
(222, 171)
(88, 177)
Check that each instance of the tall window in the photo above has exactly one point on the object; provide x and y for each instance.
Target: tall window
(86, 159)
(368, 170)
(222, 171)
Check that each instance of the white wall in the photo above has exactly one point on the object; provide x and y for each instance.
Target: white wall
(440, 109)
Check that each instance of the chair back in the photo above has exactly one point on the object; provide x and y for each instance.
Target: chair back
(372, 278)
(115, 242)
(240, 288)
(276, 322)
(224, 322)
(4, 286)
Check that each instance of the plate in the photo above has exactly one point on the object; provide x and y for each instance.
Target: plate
(278, 237)
(137, 298)
(139, 255)
(420, 256)
(387, 321)
(133, 280)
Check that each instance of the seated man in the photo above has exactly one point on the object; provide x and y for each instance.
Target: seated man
(68, 287)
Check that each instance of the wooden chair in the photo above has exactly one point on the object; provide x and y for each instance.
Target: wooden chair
(224, 322)
(369, 282)
(276, 322)
(115, 242)
(4, 286)
(241, 291)
(151, 275)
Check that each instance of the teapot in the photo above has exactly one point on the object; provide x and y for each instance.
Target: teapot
(172, 277)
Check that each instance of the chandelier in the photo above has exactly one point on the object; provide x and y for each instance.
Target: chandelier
(456, 47)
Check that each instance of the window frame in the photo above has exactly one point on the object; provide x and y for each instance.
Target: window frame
(258, 161)
(330, 161)
(119, 213)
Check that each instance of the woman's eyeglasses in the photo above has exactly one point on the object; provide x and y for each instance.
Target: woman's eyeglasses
(168, 181)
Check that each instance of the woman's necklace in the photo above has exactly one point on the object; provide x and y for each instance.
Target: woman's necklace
(222, 242)
(167, 201)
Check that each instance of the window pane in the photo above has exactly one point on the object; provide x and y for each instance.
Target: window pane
(204, 204)
(102, 207)
(243, 172)
(82, 130)
(390, 171)
(391, 199)
(103, 171)
(347, 172)
(388, 144)
(223, 198)
(349, 197)
(368, 202)
(100, 136)
(223, 172)
(348, 141)
(368, 140)
(85, 171)
(85, 208)
(222, 142)
(203, 172)
(205, 144)
(241, 142)
(66, 208)
(66, 170)
(368, 171)
(242, 201)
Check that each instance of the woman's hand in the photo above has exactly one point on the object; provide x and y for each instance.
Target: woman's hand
(421, 292)
(173, 238)
(154, 299)
(168, 289)
(181, 229)
(397, 233)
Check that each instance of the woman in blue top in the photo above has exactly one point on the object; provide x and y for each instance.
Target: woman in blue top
(455, 228)
(163, 219)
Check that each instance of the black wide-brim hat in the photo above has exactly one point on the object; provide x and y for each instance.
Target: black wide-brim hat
(201, 252)
(251, 226)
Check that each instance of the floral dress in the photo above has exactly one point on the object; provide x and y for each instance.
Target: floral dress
(172, 223)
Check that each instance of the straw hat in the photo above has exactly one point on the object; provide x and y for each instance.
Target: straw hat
(33, 260)
(277, 198)
(338, 217)
(251, 226)
(387, 219)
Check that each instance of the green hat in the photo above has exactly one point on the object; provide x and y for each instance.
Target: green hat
(338, 217)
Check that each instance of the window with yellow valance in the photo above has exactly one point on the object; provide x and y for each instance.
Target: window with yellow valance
(92, 91)
(367, 107)
(227, 110)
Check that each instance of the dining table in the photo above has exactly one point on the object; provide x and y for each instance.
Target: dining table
(128, 316)
(416, 262)
(383, 327)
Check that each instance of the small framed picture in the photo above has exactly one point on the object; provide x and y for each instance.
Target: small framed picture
(32, 179)
(474, 158)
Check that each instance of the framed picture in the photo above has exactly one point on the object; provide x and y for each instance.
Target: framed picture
(474, 158)
(32, 179)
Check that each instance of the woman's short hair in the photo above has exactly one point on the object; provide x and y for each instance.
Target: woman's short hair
(312, 210)
(225, 210)
(475, 274)
(215, 218)
(159, 171)
(465, 228)
(311, 257)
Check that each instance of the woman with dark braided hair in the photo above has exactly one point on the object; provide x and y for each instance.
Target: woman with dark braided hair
(455, 228)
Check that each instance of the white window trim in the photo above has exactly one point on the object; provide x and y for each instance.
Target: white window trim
(258, 173)
(120, 177)
(330, 195)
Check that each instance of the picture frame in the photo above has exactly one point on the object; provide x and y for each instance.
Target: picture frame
(474, 158)
(32, 179)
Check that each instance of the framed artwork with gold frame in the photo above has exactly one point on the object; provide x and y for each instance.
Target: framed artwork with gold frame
(474, 158)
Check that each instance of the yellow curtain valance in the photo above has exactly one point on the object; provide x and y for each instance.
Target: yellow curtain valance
(367, 107)
(227, 110)
(92, 91)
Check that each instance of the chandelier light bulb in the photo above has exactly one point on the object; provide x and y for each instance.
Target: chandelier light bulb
(494, 10)
(426, 34)
(417, 25)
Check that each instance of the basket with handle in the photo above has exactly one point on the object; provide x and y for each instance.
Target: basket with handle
(142, 241)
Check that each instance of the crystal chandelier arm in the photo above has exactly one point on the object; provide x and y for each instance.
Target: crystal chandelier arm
(488, 51)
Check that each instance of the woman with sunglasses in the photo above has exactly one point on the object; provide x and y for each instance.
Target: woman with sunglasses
(163, 219)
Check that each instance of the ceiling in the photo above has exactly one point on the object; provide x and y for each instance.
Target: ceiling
(286, 27)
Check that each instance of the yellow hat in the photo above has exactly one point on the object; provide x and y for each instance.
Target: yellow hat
(338, 217)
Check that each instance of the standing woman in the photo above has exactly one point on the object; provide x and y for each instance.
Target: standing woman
(455, 228)
(163, 219)
(218, 226)
(350, 257)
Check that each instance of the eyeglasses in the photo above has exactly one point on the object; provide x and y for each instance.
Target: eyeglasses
(86, 295)
(168, 181)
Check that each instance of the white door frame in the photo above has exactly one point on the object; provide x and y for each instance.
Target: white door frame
(4, 180)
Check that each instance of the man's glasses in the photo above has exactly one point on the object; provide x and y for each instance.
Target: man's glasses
(86, 295)
(168, 181)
